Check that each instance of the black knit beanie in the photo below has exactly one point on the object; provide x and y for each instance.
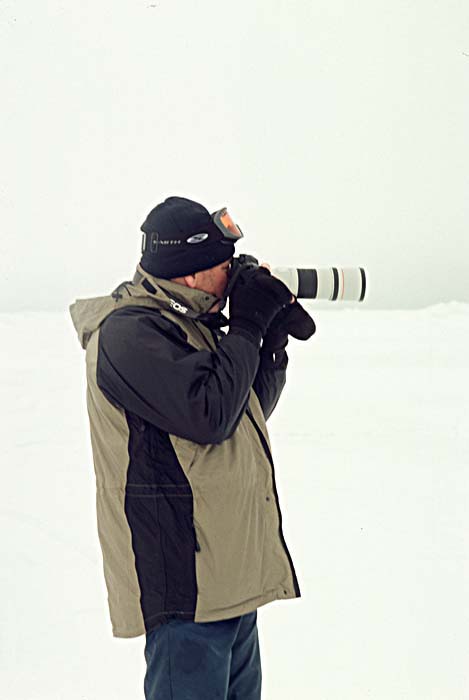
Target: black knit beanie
(173, 248)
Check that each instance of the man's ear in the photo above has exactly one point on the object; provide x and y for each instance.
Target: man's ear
(190, 281)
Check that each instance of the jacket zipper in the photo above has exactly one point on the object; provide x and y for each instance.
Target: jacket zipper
(280, 531)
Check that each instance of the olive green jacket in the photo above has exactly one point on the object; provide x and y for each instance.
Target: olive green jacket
(187, 507)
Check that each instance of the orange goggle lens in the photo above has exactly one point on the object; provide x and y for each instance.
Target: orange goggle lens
(226, 225)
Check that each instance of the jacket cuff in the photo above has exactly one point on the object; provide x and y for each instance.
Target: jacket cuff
(272, 359)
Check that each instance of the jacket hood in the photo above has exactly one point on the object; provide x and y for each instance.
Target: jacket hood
(144, 290)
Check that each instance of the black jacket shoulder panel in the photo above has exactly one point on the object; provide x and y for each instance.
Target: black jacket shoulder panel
(146, 366)
(152, 317)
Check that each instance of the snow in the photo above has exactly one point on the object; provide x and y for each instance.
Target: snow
(372, 465)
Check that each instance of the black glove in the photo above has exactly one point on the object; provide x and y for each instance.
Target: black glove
(255, 300)
(293, 320)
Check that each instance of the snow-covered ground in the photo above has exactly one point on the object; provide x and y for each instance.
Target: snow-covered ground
(372, 461)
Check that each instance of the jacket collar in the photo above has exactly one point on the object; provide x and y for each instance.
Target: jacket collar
(146, 290)
(173, 296)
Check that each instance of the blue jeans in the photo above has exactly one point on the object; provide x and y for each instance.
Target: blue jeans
(204, 660)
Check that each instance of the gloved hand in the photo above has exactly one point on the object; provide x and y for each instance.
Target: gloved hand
(293, 320)
(255, 300)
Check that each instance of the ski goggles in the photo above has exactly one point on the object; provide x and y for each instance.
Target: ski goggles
(222, 228)
(229, 230)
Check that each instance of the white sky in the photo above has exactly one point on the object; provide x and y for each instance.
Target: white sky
(336, 132)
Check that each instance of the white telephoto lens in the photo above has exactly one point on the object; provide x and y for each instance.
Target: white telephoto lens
(328, 283)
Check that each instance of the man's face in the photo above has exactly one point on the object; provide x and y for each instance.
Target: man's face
(214, 280)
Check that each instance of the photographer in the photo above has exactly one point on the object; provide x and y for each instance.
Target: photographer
(188, 514)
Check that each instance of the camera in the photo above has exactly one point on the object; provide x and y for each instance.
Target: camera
(330, 283)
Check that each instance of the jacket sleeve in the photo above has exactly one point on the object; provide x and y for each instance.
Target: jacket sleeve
(270, 380)
(146, 366)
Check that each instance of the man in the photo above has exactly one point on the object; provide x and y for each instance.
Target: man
(188, 515)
